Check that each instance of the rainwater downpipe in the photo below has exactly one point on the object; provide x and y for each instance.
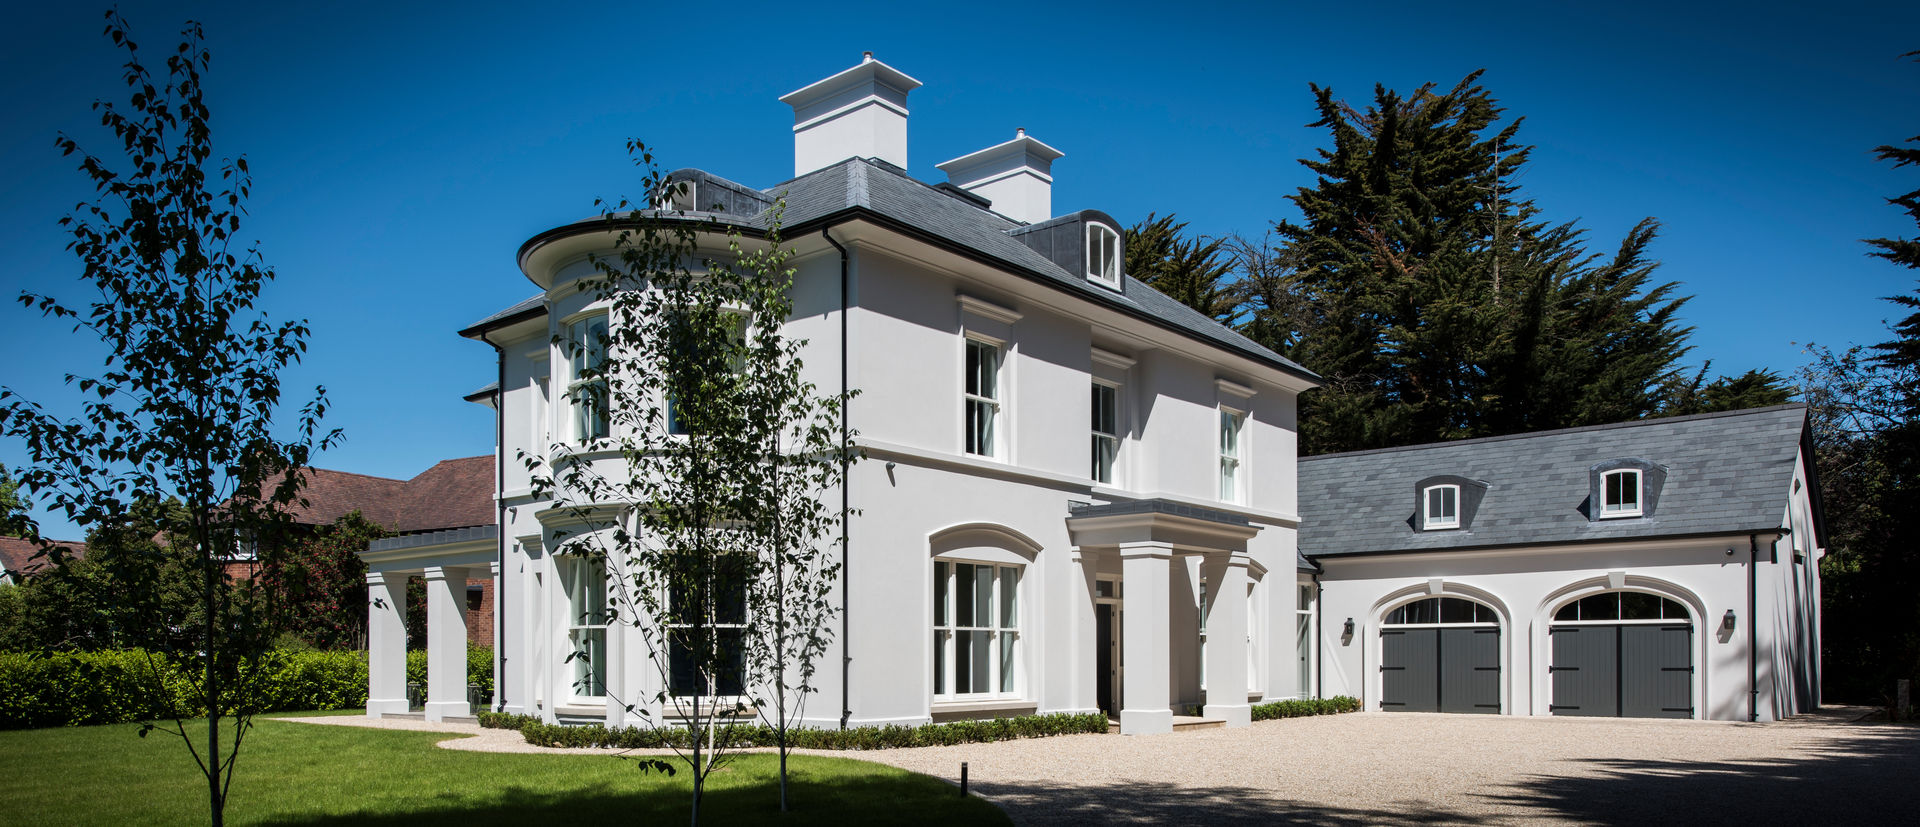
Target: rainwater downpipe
(1753, 633)
(1319, 634)
(846, 565)
(500, 526)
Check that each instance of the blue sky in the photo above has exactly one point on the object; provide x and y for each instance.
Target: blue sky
(401, 154)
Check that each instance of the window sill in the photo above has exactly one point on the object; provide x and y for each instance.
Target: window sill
(1005, 705)
(580, 711)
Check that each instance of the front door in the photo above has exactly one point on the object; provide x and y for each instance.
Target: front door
(1108, 666)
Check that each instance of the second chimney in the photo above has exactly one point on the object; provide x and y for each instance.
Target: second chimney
(1017, 176)
(858, 113)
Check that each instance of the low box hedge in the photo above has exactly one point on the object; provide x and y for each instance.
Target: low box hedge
(110, 687)
(541, 733)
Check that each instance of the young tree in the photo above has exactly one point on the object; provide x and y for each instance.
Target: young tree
(191, 383)
(711, 522)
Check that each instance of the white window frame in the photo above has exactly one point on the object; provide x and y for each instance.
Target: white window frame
(989, 439)
(1611, 510)
(1232, 430)
(1432, 521)
(946, 628)
(711, 692)
(577, 353)
(738, 318)
(1104, 261)
(1105, 444)
(581, 576)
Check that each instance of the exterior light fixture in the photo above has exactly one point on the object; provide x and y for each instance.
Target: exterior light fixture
(1727, 621)
(1348, 631)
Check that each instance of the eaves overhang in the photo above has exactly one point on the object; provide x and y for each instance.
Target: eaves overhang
(1320, 559)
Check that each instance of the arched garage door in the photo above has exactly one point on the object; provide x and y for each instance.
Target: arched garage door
(1440, 654)
(1622, 654)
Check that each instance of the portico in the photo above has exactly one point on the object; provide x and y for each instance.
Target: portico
(445, 560)
(1184, 570)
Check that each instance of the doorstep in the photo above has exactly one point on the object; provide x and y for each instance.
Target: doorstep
(1181, 723)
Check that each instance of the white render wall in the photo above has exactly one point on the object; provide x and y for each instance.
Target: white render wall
(906, 334)
(1525, 587)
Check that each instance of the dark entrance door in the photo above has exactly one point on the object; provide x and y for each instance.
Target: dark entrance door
(1103, 658)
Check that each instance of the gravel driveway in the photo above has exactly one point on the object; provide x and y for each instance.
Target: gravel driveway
(1407, 768)
(1404, 768)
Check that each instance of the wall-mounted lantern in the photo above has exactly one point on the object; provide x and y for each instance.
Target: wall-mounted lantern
(1728, 621)
(1347, 631)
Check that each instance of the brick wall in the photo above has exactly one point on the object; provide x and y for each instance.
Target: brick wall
(480, 617)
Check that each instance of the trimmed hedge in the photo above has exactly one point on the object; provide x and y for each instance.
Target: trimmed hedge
(540, 733)
(1306, 707)
(544, 734)
(111, 687)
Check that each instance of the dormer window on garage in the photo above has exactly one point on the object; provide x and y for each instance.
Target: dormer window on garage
(1103, 255)
(1620, 493)
(1446, 502)
(1443, 507)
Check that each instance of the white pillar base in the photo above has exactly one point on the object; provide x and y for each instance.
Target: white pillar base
(440, 710)
(1236, 715)
(377, 708)
(1145, 721)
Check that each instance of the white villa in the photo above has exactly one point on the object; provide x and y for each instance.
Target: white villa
(1081, 495)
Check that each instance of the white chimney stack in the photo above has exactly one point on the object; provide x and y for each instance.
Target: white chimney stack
(1016, 176)
(858, 113)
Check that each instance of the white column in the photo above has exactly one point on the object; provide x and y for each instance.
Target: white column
(1226, 576)
(447, 643)
(1147, 651)
(386, 643)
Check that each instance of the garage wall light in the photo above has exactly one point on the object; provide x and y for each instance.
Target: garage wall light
(1348, 630)
(1728, 621)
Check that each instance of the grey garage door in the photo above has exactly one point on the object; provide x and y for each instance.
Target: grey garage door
(1432, 668)
(1626, 669)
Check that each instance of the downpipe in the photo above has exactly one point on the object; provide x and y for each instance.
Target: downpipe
(846, 564)
(1753, 632)
(500, 527)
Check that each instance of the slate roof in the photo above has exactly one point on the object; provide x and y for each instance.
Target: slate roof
(879, 188)
(454, 493)
(17, 555)
(1726, 473)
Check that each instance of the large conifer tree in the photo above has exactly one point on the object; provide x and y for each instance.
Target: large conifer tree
(1436, 302)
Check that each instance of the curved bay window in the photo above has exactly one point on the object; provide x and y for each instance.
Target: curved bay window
(586, 351)
(584, 581)
(976, 630)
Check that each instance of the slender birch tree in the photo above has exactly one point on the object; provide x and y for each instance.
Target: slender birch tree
(190, 386)
(704, 493)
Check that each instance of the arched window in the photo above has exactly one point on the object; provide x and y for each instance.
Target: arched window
(1103, 255)
(1620, 493)
(1435, 610)
(1617, 606)
(1442, 509)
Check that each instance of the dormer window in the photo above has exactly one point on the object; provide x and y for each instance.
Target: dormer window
(1620, 494)
(1442, 507)
(1103, 255)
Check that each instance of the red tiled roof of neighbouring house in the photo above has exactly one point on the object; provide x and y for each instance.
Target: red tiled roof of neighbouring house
(17, 555)
(454, 493)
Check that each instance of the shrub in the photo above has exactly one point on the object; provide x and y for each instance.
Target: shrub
(1302, 708)
(110, 687)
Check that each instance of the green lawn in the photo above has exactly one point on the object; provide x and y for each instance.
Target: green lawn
(310, 774)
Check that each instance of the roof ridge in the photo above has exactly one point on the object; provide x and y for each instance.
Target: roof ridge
(1608, 426)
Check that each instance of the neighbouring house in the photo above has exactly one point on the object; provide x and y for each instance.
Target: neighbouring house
(1081, 495)
(20, 558)
(1048, 440)
(1667, 568)
(454, 494)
